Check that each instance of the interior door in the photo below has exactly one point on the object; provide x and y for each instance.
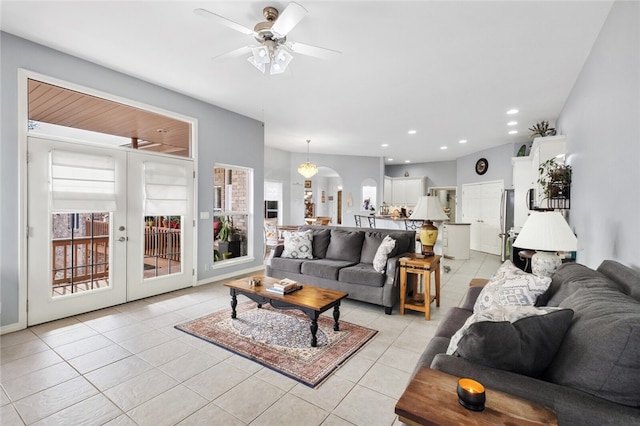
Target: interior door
(481, 208)
(77, 252)
(106, 226)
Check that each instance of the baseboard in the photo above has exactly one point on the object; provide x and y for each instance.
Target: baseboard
(234, 274)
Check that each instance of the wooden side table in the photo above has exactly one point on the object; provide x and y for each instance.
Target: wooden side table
(421, 266)
(431, 399)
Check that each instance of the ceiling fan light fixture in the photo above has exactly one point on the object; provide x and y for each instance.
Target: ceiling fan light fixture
(260, 54)
(280, 61)
(261, 66)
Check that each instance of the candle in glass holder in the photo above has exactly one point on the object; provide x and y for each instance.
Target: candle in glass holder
(471, 394)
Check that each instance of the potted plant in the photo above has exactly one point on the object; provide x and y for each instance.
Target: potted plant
(541, 129)
(555, 179)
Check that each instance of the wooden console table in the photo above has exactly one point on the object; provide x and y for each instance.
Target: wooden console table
(420, 265)
(431, 399)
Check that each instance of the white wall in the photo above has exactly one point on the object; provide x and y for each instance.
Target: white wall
(223, 137)
(601, 119)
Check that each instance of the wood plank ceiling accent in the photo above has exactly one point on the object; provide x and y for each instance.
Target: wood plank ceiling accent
(146, 130)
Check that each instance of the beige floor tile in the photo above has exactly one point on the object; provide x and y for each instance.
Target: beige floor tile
(39, 380)
(4, 398)
(100, 358)
(277, 379)
(28, 364)
(189, 365)
(328, 395)
(110, 322)
(206, 415)
(17, 338)
(170, 318)
(50, 401)
(401, 359)
(216, 380)
(249, 399)
(84, 346)
(10, 416)
(113, 374)
(145, 341)
(334, 420)
(168, 408)
(73, 334)
(286, 412)
(54, 327)
(244, 364)
(140, 389)
(354, 368)
(365, 407)
(386, 380)
(20, 350)
(122, 420)
(92, 411)
(165, 352)
(373, 349)
(127, 332)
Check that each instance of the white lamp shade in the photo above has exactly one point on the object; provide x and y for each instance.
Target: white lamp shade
(546, 231)
(428, 208)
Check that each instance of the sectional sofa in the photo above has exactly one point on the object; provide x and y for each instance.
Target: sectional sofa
(342, 259)
(591, 376)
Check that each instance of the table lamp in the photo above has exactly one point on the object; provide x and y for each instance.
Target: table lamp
(428, 209)
(547, 233)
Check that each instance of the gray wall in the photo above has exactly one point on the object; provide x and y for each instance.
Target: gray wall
(438, 173)
(601, 120)
(223, 136)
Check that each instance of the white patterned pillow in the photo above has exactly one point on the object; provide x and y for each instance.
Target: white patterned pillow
(380, 260)
(298, 244)
(511, 286)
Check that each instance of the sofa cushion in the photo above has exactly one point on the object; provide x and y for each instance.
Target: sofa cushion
(324, 268)
(569, 278)
(627, 280)
(363, 274)
(297, 244)
(600, 353)
(287, 265)
(372, 241)
(511, 286)
(520, 339)
(452, 321)
(345, 245)
(382, 254)
(320, 243)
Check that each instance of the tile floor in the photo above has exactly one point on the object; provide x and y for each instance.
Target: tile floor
(127, 365)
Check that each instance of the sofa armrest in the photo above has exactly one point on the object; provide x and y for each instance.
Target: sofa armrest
(570, 405)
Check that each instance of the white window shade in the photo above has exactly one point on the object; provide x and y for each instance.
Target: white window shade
(82, 182)
(165, 189)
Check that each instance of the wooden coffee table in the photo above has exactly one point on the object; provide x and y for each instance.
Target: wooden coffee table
(311, 300)
(431, 399)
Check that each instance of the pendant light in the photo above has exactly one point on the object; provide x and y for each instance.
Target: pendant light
(307, 169)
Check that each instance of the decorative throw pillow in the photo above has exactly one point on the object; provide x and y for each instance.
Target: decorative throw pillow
(382, 254)
(520, 339)
(511, 286)
(298, 244)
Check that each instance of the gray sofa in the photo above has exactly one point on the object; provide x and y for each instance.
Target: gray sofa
(594, 377)
(343, 260)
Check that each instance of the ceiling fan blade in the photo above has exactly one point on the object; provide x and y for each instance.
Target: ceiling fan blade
(289, 18)
(224, 21)
(309, 50)
(233, 53)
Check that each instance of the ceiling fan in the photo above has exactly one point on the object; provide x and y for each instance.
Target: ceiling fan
(273, 49)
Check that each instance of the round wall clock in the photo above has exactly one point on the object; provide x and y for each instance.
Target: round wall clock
(482, 165)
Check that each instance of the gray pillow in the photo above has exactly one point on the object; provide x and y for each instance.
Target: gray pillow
(345, 245)
(525, 346)
(372, 241)
(321, 239)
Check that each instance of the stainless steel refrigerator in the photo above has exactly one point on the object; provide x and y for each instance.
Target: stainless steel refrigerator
(506, 223)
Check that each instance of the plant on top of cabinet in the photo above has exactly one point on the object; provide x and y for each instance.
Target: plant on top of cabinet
(555, 178)
(541, 129)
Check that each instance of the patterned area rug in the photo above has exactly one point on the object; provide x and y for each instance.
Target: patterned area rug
(281, 340)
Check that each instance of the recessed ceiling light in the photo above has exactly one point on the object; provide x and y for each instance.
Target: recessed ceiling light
(513, 132)
(512, 123)
(462, 141)
(384, 145)
(412, 132)
(512, 111)
(407, 161)
(389, 159)
(443, 147)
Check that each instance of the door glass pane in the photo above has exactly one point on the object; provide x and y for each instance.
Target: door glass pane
(162, 246)
(80, 252)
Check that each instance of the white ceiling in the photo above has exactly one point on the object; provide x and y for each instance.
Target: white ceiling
(450, 70)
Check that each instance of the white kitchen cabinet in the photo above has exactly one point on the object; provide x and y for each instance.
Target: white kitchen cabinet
(388, 190)
(456, 240)
(523, 182)
(406, 191)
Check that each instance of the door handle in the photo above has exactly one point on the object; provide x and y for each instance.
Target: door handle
(122, 239)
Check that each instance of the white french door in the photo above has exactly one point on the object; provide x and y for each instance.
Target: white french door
(481, 208)
(89, 244)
